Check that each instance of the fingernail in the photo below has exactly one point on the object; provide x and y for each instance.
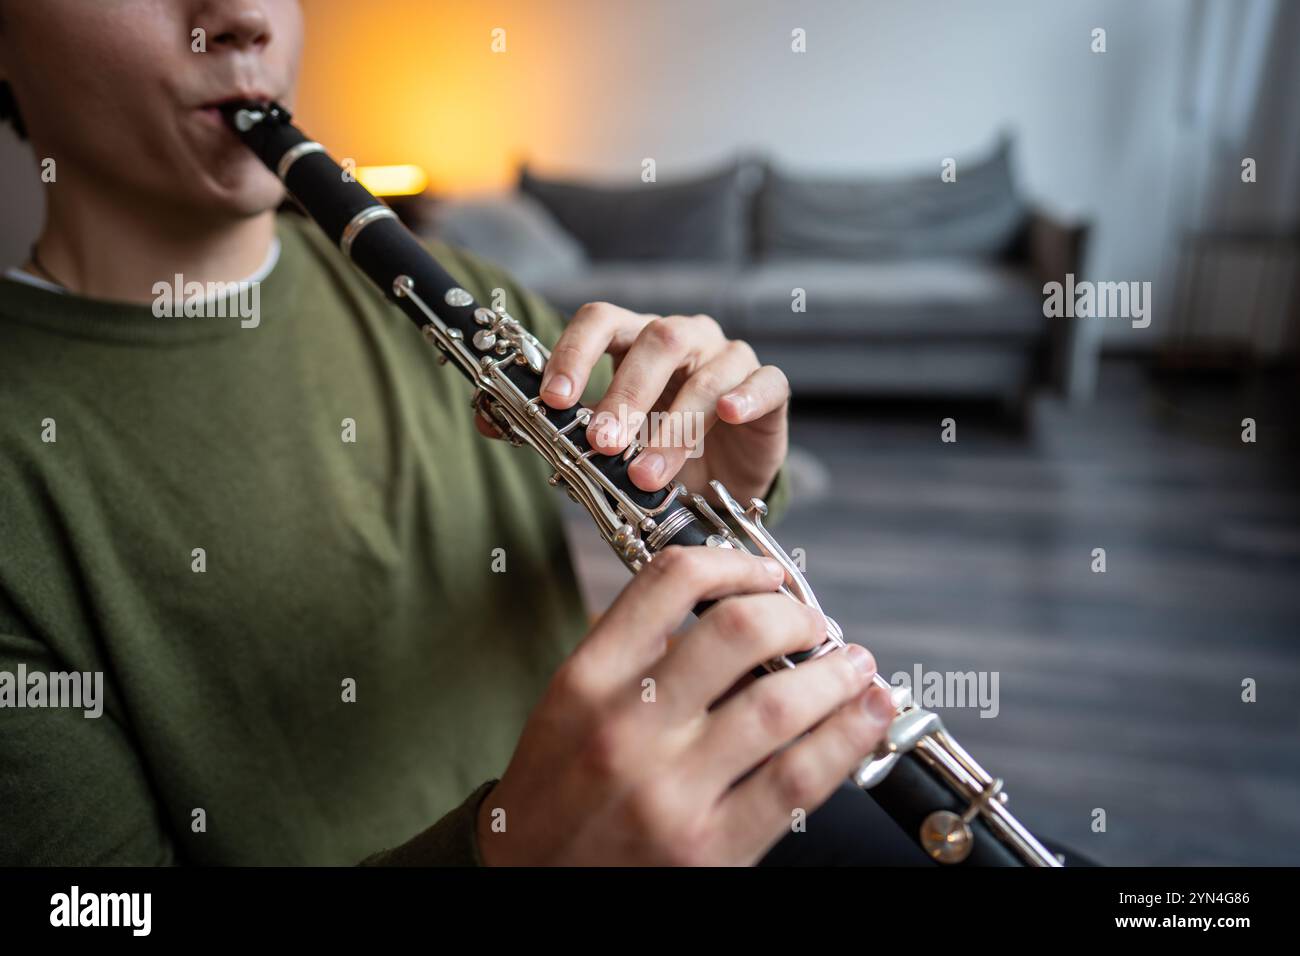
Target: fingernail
(879, 706)
(654, 463)
(861, 659)
(740, 402)
(773, 568)
(560, 385)
(604, 428)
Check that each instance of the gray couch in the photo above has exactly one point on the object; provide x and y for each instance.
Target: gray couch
(910, 285)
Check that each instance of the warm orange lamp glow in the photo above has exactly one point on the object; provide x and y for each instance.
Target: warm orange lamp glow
(422, 82)
(393, 180)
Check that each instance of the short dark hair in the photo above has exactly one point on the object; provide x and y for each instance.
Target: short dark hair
(8, 105)
(9, 110)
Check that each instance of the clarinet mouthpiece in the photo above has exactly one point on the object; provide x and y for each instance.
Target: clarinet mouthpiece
(243, 115)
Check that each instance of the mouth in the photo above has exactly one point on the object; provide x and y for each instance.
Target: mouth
(213, 110)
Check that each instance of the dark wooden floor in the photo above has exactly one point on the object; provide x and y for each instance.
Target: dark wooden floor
(1119, 691)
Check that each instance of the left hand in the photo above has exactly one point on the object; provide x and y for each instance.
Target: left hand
(684, 365)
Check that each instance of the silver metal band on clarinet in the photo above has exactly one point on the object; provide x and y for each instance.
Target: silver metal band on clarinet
(358, 224)
(295, 154)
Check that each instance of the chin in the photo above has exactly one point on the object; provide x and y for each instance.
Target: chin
(251, 192)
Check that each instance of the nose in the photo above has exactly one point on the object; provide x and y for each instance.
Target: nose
(235, 24)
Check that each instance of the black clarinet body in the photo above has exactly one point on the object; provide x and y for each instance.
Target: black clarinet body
(384, 249)
(922, 778)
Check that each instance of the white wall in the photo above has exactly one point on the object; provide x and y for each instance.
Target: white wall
(898, 86)
(883, 86)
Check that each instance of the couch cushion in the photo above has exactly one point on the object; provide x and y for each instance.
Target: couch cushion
(698, 220)
(512, 230)
(923, 298)
(661, 288)
(877, 217)
(985, 367)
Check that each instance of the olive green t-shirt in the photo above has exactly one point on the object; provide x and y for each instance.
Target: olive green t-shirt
(321, 603)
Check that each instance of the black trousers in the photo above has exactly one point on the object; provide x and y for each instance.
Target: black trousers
(850, 829)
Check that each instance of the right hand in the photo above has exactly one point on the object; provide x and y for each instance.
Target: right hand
(602, 776)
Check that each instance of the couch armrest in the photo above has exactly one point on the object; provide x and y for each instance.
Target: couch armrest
(1055, 247)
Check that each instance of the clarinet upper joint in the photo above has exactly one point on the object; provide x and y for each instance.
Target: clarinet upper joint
(632, 530)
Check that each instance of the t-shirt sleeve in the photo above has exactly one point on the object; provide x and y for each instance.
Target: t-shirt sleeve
(452, 841)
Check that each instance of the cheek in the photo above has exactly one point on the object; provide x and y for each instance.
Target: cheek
(111, 137)
(286, 51)
(79, 125)
(76, 54)
(97, 87)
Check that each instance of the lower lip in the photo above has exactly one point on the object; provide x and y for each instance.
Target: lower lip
(212, 118)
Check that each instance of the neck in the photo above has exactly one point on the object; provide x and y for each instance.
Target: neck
(103, 248)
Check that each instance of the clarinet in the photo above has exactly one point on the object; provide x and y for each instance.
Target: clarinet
(931, 787)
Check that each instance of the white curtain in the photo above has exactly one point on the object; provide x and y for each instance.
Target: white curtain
(1236, 269)
(1242, 99)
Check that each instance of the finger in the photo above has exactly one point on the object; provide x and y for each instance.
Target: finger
(594, 329)
(691, 415)
(663, 346)
(632, 635)
(732, 638)
(759, 811)
(763, 394)
(778, 708)
(735, 689)
(486, 427)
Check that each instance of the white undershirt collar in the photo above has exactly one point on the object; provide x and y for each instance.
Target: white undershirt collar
(264, 270)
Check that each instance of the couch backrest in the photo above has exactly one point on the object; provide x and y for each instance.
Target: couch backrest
(699, 220)
(980, 214)
(512, 230)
